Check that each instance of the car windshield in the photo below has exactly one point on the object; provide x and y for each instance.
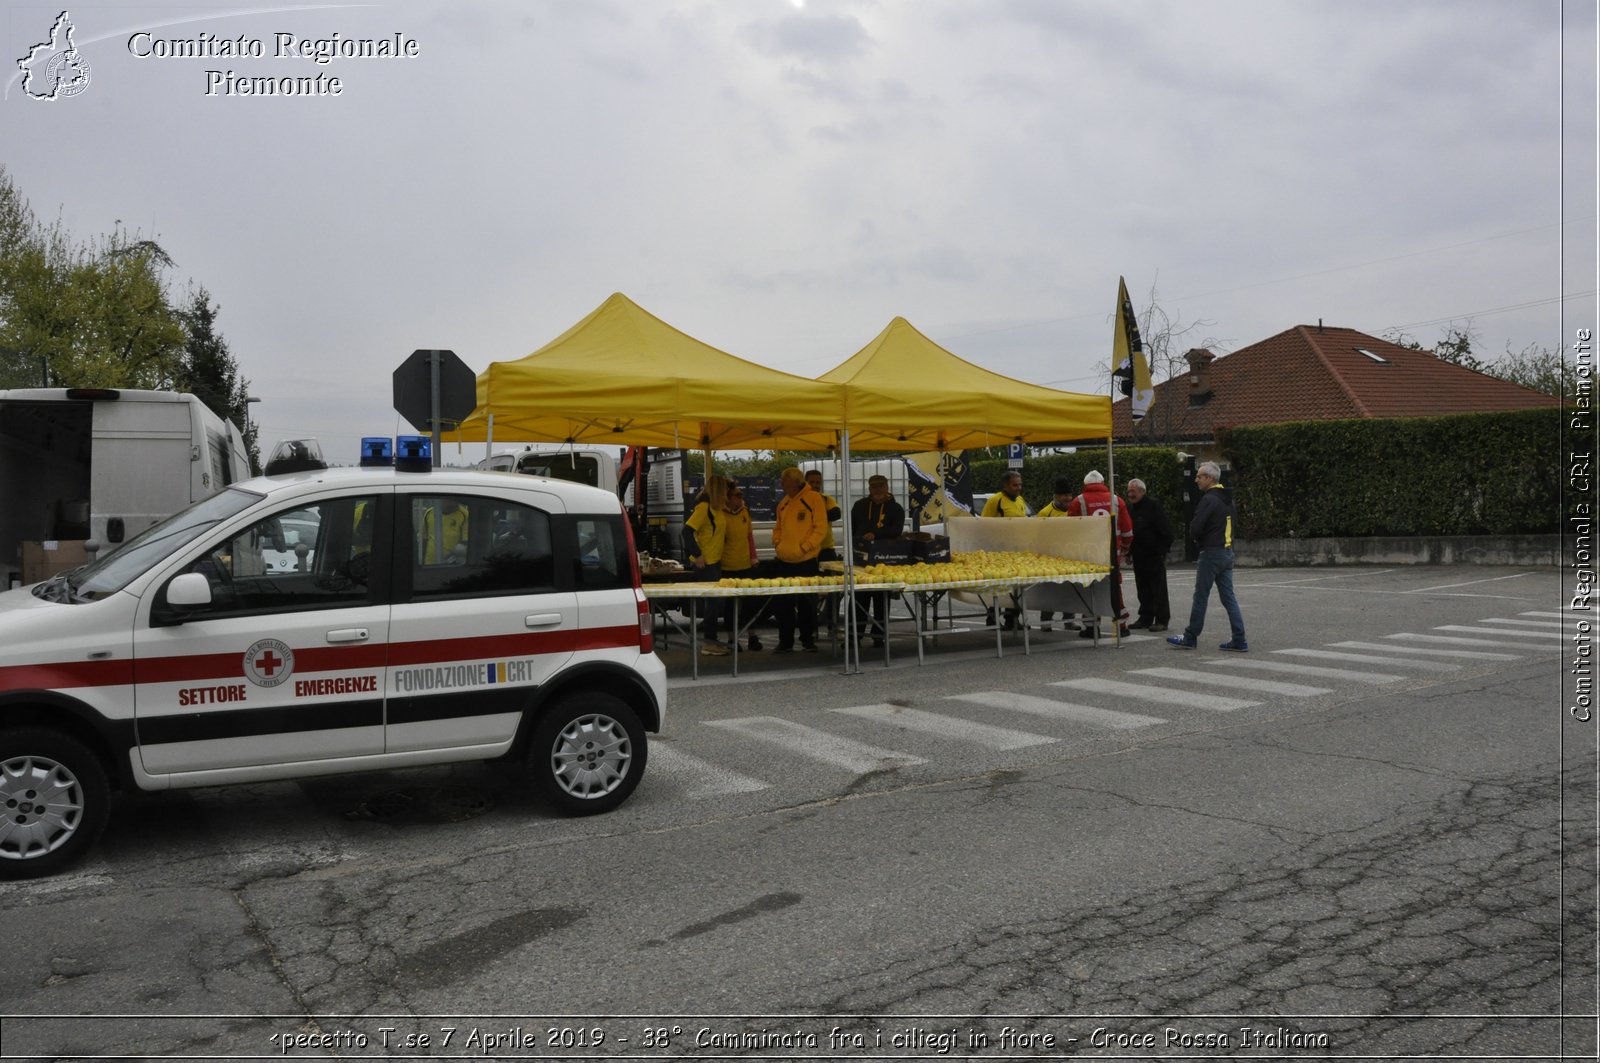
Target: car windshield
(110, 574)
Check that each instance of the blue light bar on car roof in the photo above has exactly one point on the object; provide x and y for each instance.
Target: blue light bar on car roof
(376, 450)
(413, 453)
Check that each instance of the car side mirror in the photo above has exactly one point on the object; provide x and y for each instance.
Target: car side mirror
(191, 590)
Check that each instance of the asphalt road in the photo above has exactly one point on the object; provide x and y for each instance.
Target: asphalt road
(1319, 848)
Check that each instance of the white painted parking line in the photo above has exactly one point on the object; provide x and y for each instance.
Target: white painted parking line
(1375, 678)
(1367, 658)
(1468, 583)
(1456, 640)
(1566, 614)
(1546, 624)
(816, 745)
(1320, 579)
(1164, 695)
(1058, 710)
(1500, 631)
(1428, 651)
(1239, 682)
(698, 777)
(933, 723)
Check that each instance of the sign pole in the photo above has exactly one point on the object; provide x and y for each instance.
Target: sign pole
(433, 391)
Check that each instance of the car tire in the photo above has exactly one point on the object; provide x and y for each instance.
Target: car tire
(588, 753)
(53, 801)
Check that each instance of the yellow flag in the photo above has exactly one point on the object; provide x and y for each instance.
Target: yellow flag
(1128, 356)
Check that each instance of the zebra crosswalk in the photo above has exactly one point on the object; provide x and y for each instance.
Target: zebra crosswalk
(880, 736)
(1164, 695)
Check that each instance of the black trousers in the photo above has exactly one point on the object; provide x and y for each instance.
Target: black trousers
(795, 610)
(872, 614)
(1150, 580)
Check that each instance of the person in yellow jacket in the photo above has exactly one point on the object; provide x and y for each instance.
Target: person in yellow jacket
(1056, 508)
(829, 550)
(453, 519)
(802, 520)
(739, 557)
(705, 538)
(1007, 502)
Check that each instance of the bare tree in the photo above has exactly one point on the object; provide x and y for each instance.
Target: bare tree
(1166, 339)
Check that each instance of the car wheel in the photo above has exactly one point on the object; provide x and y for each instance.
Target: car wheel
(588, 753)
(53, 801)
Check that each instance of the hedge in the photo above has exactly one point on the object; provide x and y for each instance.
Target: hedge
(1465, 474)
(1158, 467)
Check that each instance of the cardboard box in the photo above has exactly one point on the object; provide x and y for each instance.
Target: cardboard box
(930, 549)
(885, 552)
(42, 560)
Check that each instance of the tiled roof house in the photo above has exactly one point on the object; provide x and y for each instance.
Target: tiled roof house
(1308, 373)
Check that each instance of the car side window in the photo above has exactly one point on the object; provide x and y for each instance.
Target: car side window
(602, 562)
(317, 556)
(465, 545)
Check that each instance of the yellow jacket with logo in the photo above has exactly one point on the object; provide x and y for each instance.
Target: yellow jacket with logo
(801, 521)
(1001, 506)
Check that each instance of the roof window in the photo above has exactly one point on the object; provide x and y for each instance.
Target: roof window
(1374, 357)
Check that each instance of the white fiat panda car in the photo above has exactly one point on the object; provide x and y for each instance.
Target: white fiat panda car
(326, 621)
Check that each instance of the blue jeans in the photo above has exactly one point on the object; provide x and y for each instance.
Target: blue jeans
(1215, 565)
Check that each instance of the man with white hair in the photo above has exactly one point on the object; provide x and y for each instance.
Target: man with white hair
(1212, 529)
(1152, 538)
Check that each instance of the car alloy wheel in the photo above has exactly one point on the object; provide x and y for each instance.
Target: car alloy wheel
(53, 797)
(591, 752)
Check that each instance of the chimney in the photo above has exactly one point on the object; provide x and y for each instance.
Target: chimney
(1199, 360)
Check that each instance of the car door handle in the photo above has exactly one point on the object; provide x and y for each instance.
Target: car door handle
(349, 634)
(542, 619)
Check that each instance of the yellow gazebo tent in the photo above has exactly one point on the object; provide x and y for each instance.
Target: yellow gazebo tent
(903, 392)
(623, 376)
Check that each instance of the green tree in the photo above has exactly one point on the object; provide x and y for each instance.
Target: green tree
(209, 371)
(76, 314)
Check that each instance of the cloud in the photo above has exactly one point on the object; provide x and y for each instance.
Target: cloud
(809, 37)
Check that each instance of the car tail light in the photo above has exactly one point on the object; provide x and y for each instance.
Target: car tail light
(647, 623)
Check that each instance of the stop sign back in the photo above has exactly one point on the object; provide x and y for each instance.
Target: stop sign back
(413, 389)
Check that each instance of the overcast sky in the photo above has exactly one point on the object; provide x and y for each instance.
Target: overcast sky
(781, 178)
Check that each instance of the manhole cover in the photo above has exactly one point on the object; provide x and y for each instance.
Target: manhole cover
(424, 804)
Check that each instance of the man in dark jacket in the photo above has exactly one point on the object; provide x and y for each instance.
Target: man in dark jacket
(874, 519)
(1212, 529)
(1152, 538)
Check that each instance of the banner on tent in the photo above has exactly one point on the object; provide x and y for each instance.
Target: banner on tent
(940, 484)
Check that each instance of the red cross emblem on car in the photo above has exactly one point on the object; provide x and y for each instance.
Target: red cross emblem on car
(268, 662)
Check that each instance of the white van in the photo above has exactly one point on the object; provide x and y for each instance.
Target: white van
(303, 624)
(101, 465)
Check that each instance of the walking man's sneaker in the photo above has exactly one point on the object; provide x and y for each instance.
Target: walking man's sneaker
(1140, 624)
(1183, 642)
(713, 649)
(1156, 627)
(1236, 645)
